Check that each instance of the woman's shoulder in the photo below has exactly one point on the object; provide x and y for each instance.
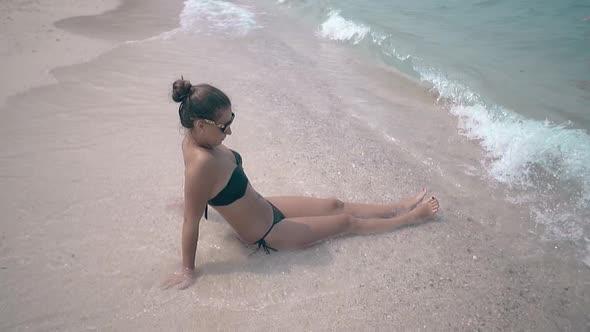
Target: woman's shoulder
(211, 160)
(198, 160)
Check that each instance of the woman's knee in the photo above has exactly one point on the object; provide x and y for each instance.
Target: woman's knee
(355, 225)
(350, 224)
(336, 205)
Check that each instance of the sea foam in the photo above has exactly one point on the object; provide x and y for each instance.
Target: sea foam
(552, 160)
(211, 16)
(335, 27)
(549, 159)
(220, 15)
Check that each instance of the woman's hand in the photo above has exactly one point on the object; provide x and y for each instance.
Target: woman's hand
(180, 279)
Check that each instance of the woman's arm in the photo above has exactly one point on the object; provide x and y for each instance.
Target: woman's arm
(199, 179)
(198, 184)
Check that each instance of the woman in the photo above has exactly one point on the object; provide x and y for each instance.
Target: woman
(214, 176)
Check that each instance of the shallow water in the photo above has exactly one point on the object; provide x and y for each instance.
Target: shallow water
(514, 74)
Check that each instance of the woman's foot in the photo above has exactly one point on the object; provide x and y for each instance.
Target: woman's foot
(409, 203)
(425, 210)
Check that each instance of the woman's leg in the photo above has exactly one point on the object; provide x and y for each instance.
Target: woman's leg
(294, 207)
(299, 232)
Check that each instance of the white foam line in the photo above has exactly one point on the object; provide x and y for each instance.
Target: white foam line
(220, 16)
(337, 28)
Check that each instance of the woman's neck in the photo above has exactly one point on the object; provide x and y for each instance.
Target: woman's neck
(194, 140)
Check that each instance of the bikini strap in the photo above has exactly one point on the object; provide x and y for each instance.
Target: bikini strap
(262, 243)
(238, 157)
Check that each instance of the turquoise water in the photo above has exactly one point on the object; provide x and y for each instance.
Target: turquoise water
(516, 75)
(531, 57)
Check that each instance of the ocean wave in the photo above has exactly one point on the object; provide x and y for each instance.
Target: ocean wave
(222, 15)
(211, 16)
(545, 164)
(335, 27)
(513, 141)
(550, 159)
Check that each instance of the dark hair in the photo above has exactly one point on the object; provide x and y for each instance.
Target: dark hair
(197, 101)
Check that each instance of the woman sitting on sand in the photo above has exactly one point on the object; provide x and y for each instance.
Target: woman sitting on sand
(214, 175)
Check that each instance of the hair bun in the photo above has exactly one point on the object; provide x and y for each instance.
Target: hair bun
(180, 89)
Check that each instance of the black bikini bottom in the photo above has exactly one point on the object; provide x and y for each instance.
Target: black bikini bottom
(277, 216)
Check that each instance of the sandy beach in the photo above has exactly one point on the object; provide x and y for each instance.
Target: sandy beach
(91, 175)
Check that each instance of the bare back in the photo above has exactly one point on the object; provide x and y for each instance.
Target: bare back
(251, 215)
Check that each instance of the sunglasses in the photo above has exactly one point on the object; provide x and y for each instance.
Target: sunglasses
(223, 127)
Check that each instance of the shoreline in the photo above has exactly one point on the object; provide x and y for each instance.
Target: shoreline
(33, 39)
(92, 254)
(540, 162)
(559, 223)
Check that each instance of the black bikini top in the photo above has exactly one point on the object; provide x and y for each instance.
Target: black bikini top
(235, 187)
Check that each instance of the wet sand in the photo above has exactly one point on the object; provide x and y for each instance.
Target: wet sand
(92, 188)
